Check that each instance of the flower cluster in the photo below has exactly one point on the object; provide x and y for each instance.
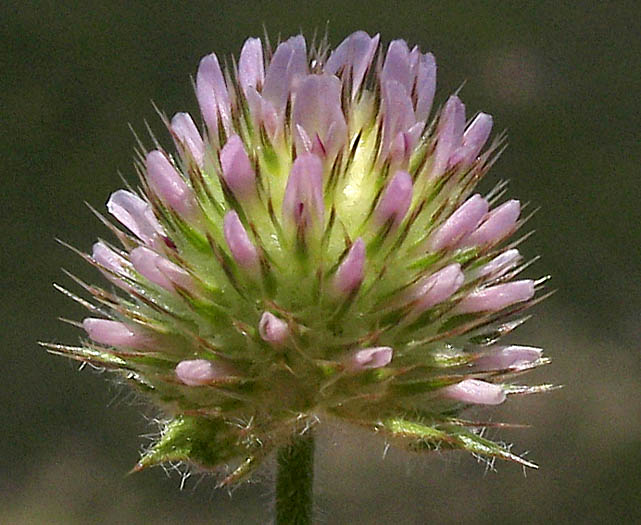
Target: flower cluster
(316, 250)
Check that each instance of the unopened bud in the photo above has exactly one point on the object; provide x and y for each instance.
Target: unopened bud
(368, 358)
(475, 392)
(459, 224)
(272, 329)
(113, 333)
(201, 372)
(242, 249)
(349, 275)
(183, 127)
(238, 172)
(167, 183)
(494, 298)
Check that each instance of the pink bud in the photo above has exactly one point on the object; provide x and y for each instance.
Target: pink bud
(354, 53)
(403, 145)
(176, 275)
(113, 333)
(349, 275)
(286, 67)
(318, 117)
(251, 70)
(396, 199)
(425, 86)
(500, 264)
(303, 202)
(438, 287)
(159, 270)
(368, 358)
(169, 185)
(505, 357)
(212, 95)
(398, 114)
(136, 215)
(272, 329)
(496, 297)
(474, 139)
(108, 258)
(238, 172)
(475, 392)
(242, 249)
(459, 224)
(183, 127)
(200, 372)
(449, 134)
(497, 224)
(397, 65)
(263, 113)
(111, 261)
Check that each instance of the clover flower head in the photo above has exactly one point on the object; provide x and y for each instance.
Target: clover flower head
(313, 249)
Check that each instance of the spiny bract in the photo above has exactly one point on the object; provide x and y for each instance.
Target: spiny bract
(315, 251)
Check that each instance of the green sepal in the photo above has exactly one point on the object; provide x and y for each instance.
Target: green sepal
(479, 445)
(423, 437)
(466, 255)
(421, 386)
(203, 441)
(425, 262)
(456, 321)
(88, 354)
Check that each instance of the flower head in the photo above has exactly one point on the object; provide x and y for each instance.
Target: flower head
(315, 250)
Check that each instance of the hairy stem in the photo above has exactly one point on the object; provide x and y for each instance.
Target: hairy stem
(294, 481)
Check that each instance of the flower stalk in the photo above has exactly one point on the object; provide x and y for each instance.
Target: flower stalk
(295, 481)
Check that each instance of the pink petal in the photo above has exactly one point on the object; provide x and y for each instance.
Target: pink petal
(369, 358)
(169, 185)
(465, 219)
(187, 133)
(251, 69)
(449, 134)
(212, 95)
(497, 224)
(303, 203)
(263, 113)
(317, 111)
(113, 262)
(108, 258)
(497, 297)
(475, 392)
(425, 86)
(398, 113)
(354, 53)
(500, 264)
(176, 275)
(238, 171)
(242, 249)
(272, 329)
(474, 139)
(438, 287)
(199, 372)
(160, 271)
(397, 65)
(136, 214)
(113, 333)
(403, 145)
(396, 199)
(349, 275)
(505, 357)
(287, 65)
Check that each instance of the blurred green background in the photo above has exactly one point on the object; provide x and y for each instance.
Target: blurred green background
(561, 76)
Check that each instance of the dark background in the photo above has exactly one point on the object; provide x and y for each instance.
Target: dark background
(562, 77)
